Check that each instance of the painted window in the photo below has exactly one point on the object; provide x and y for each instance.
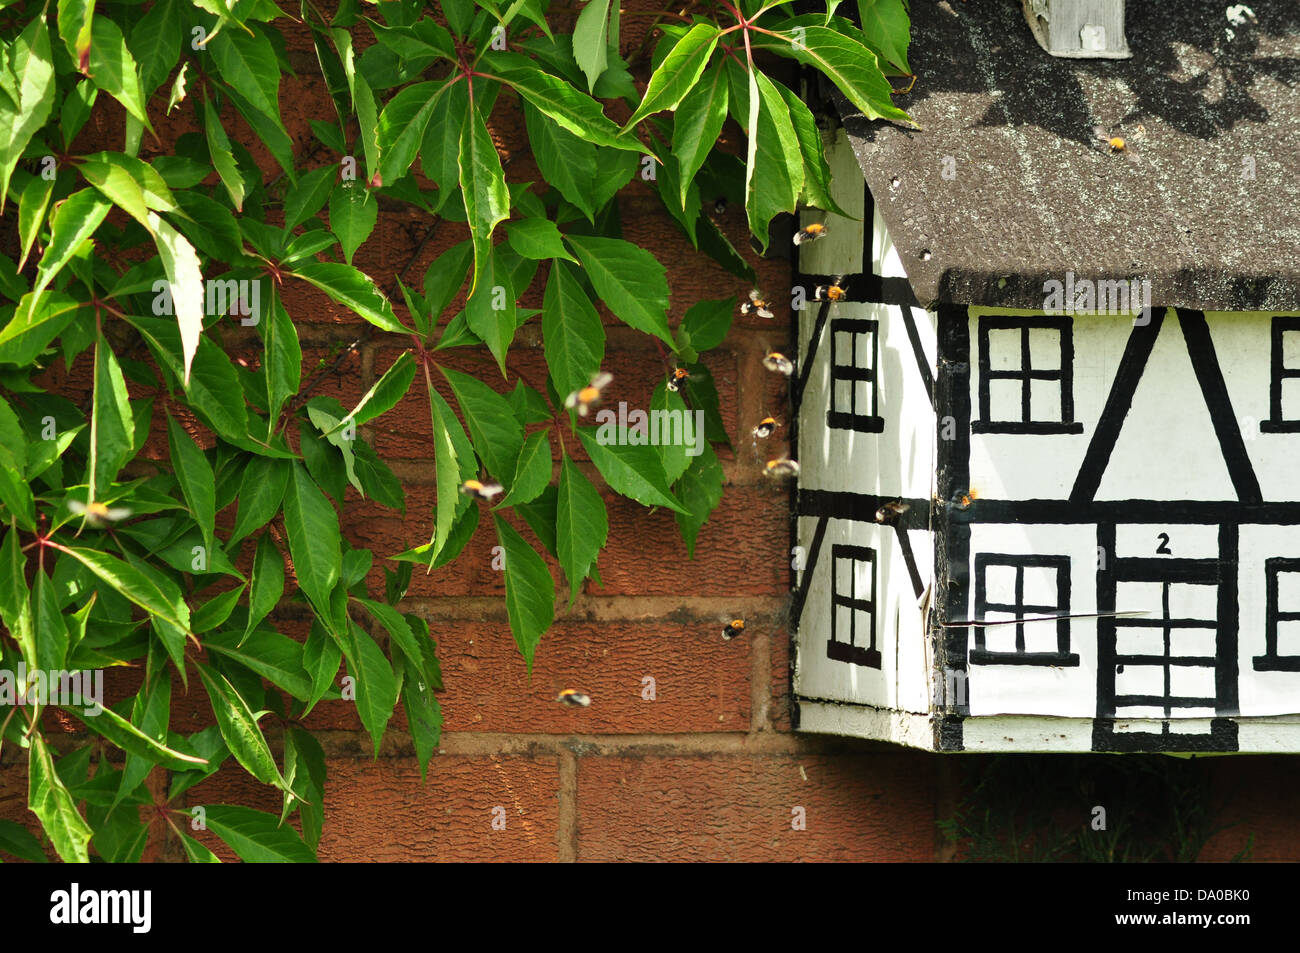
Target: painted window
(1026, 376)
(853, 376)
(1281, 617)
(1284, 389)
(853, 606)
(1011, 589)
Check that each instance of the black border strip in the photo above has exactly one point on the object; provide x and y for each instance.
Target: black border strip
(814, 550)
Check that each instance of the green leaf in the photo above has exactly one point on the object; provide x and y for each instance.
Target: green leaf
(678, 73)
(440, 163)
(629, 281)
(49, 799)
(75, 219)
(403, 123)
(35, 324)
(257, 837)
(260, 493)
(697, 125)
(565, 161)
(490, 309)
(530, 591)
(845, 62)
(247, 61)
(630, 469)
(186, 280)
(352, 289)
(112, 427)
(353, 213)
(51, 629)
(774, 168)
(574, 111)
(423, 715)
(538, 239)
(239, 728)
(160, 597)
(483, 188)
(113, 68)
(109, 724)
(283, 360)
(32, 205)
(223, 158)
(529, 406)
(305, 763)
(32, 63)
(582, 525)
(268, 653)
(195, 476)
(453, 463)
(700, 489)
(706, 323)
(196, 853)
(307, 196)
(75, 18)
(816, 172)
(533, 472)
(590, 40)
(320, 659)
(19, 842)
(887, 29)
(376, 686)
(216, 610)
(156, 43)
(385, 392)
(572, 334)
(267, 584)
(314, 542)
(497, 435)
(672, 454)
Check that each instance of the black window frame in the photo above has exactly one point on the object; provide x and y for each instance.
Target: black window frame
(1270, 661)
(867, 656)
(1064, 326)
(1062, 657)
(852, 420)
(1278, 372)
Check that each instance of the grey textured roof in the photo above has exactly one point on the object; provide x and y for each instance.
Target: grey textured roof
(1036, 194)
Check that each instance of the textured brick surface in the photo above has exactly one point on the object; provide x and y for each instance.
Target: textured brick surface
(857, 807)
(383, 812)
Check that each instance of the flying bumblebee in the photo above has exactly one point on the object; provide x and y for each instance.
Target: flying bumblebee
(757, 304)
(97, 514)
(810, 233)
(589, 396)
(734, 628)
(679, 378)
(832, 292)
(1112, 141)
(891, 511)
(781, 468)
(779, 363)
(574, 698)
(482, 490)
(765, 428)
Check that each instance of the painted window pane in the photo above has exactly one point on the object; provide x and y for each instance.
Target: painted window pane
(1288, 591)
(1006, 399)
(1187, 601)
(1291, 350)
(1290, 387)
(1132, 640)
(853, 399)
(1191, 681)
(1044, 400)
(1140, 680)
(1288, 637)
(1004, 350)
(1013, 588)
(1282, 615)
(853, 628)
(1045, 349)
(1026, 378)
(1196, 643)
(864, 353)
(843, 403)
(1040, 637)
(862, 399)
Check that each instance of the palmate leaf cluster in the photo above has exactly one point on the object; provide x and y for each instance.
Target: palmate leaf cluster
(180, 567)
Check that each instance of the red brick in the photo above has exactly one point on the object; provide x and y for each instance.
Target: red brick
(382, 812)
(869, 807)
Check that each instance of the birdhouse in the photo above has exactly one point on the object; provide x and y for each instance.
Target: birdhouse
(1080, 28)
(1048, 497)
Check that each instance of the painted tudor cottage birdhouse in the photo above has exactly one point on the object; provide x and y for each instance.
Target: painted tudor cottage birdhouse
(1049, 436)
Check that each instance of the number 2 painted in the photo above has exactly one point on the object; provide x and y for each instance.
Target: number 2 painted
(1163, 549)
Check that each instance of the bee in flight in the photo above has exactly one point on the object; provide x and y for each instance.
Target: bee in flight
(891, 511)
(757, 304)
(1113, 142)
(679, 378)
(97, 514)
(482, 490)
(720, 205)
(765, 428)
(810, 234)
(781, 468)
(588, 396)
(779, 363)
(574, 698)
(733, 629)
(832, 292)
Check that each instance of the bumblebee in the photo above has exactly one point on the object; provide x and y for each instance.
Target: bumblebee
(480, 490)
(1115, 142)
(574, 698)
(832, 292)
(810, 234)
(679, 377)
(891, 511)
(757, 304)
(765, 428)
(720, 205)
(779, 363)
(733, 629)
(97, 514)
(589, 396)
(781, 468)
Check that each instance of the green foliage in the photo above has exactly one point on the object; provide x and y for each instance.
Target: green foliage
(167, 295)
